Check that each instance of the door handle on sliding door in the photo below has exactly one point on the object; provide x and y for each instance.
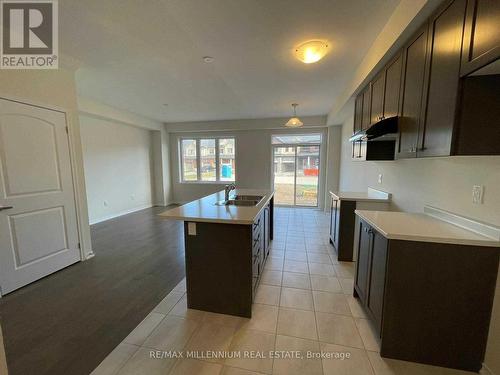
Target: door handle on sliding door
(5, 208)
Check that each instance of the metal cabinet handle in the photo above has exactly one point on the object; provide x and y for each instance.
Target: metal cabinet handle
(5, 208)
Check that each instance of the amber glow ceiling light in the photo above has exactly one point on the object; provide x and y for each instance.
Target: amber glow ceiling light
(312, 51)
(294, 122)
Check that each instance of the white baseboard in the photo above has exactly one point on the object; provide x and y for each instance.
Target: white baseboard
(121, 213)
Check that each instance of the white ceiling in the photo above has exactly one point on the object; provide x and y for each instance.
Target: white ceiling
(138, 55)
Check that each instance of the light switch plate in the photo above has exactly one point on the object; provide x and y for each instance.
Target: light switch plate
(192, 229)
(477, 194)
(380, 176)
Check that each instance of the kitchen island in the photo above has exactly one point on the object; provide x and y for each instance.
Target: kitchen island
(226, 246)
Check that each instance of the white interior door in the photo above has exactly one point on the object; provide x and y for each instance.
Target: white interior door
(38, 228)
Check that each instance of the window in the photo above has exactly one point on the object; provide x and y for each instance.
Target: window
(208, 160)
(287, 139)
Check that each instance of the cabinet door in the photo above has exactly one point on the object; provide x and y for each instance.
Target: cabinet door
(362, 267)
(414, 55)
(481, 43)
(367, 104)
(333, 208)
(358, 112)
(392, 87)
(267, 230)
(378, 90)
(444, 50)
(375, 299)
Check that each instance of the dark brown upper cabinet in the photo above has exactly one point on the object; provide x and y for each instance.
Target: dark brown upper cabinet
(481, 42)
(392, 87)
(358, 112)
(444, 47)
(412, 91)
(367, 105)
(378, 91)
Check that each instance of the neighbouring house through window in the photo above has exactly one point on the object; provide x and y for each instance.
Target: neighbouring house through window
(208, 160)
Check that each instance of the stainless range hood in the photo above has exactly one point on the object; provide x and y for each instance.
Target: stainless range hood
(384, 128)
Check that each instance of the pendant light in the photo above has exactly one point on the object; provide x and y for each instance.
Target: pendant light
(294, 122)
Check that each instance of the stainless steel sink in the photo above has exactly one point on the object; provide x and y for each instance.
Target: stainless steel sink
(248, 197)
(242, 200)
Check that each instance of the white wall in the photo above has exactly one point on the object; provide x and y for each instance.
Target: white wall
(253, 154)
(441, 182)
(118, 162)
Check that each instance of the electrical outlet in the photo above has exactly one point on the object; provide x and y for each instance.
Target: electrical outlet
(380, 178)
(477, 194)
(132, 197)
(105, 203)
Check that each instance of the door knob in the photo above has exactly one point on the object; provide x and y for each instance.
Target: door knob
(5, 208)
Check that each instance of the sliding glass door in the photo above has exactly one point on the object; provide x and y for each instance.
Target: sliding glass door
(296, 173)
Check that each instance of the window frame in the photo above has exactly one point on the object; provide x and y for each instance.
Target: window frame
(198, 160)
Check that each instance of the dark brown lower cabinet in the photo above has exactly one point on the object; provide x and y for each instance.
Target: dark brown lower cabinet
(430, 302)
(224, 263)
(342, 221)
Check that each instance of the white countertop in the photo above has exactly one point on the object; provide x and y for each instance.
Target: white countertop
(423, 228)
(205, 209)
(372, 195)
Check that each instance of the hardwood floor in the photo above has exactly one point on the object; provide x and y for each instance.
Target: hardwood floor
(69, 321)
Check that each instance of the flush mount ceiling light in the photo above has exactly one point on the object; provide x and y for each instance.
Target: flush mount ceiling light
(208, 59)
(311, 51)
(294, 122)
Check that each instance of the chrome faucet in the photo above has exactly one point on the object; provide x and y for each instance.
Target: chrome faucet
(227, 190)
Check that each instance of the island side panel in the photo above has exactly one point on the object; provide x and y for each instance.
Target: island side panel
(271, 216)
(219, 268)
(437, 303)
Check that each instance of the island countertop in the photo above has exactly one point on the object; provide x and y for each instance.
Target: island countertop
(205, 209)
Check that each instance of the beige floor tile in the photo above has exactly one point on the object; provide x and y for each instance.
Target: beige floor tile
(237, 371)
(267, 294)
(294, 266)
(168, 302)
(277, 245)
(297, 323)
(368, 334)
(321, 269)
(296, 255)
(345, 270)
(274, 264)
(264, 318)
(386, 366)
(296, 299)
(181, 287)
(115, 360)
(253, 341)
(296, 280)
(319, 258)
(297, 366)
(171, 334)
(355, 361)
(270, 277)
(278, 254)
(180, 309)
(331, 303)
(193, 366)
(317, 249)
(144, 329)
(325, 284)
(211, 337)
(295, 247)
(224, 319)
(338, 329)
(141, 363)
(357, 309)
(313, 240)
(347, 285)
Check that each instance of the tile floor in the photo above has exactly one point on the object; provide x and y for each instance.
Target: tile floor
(304, 303)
